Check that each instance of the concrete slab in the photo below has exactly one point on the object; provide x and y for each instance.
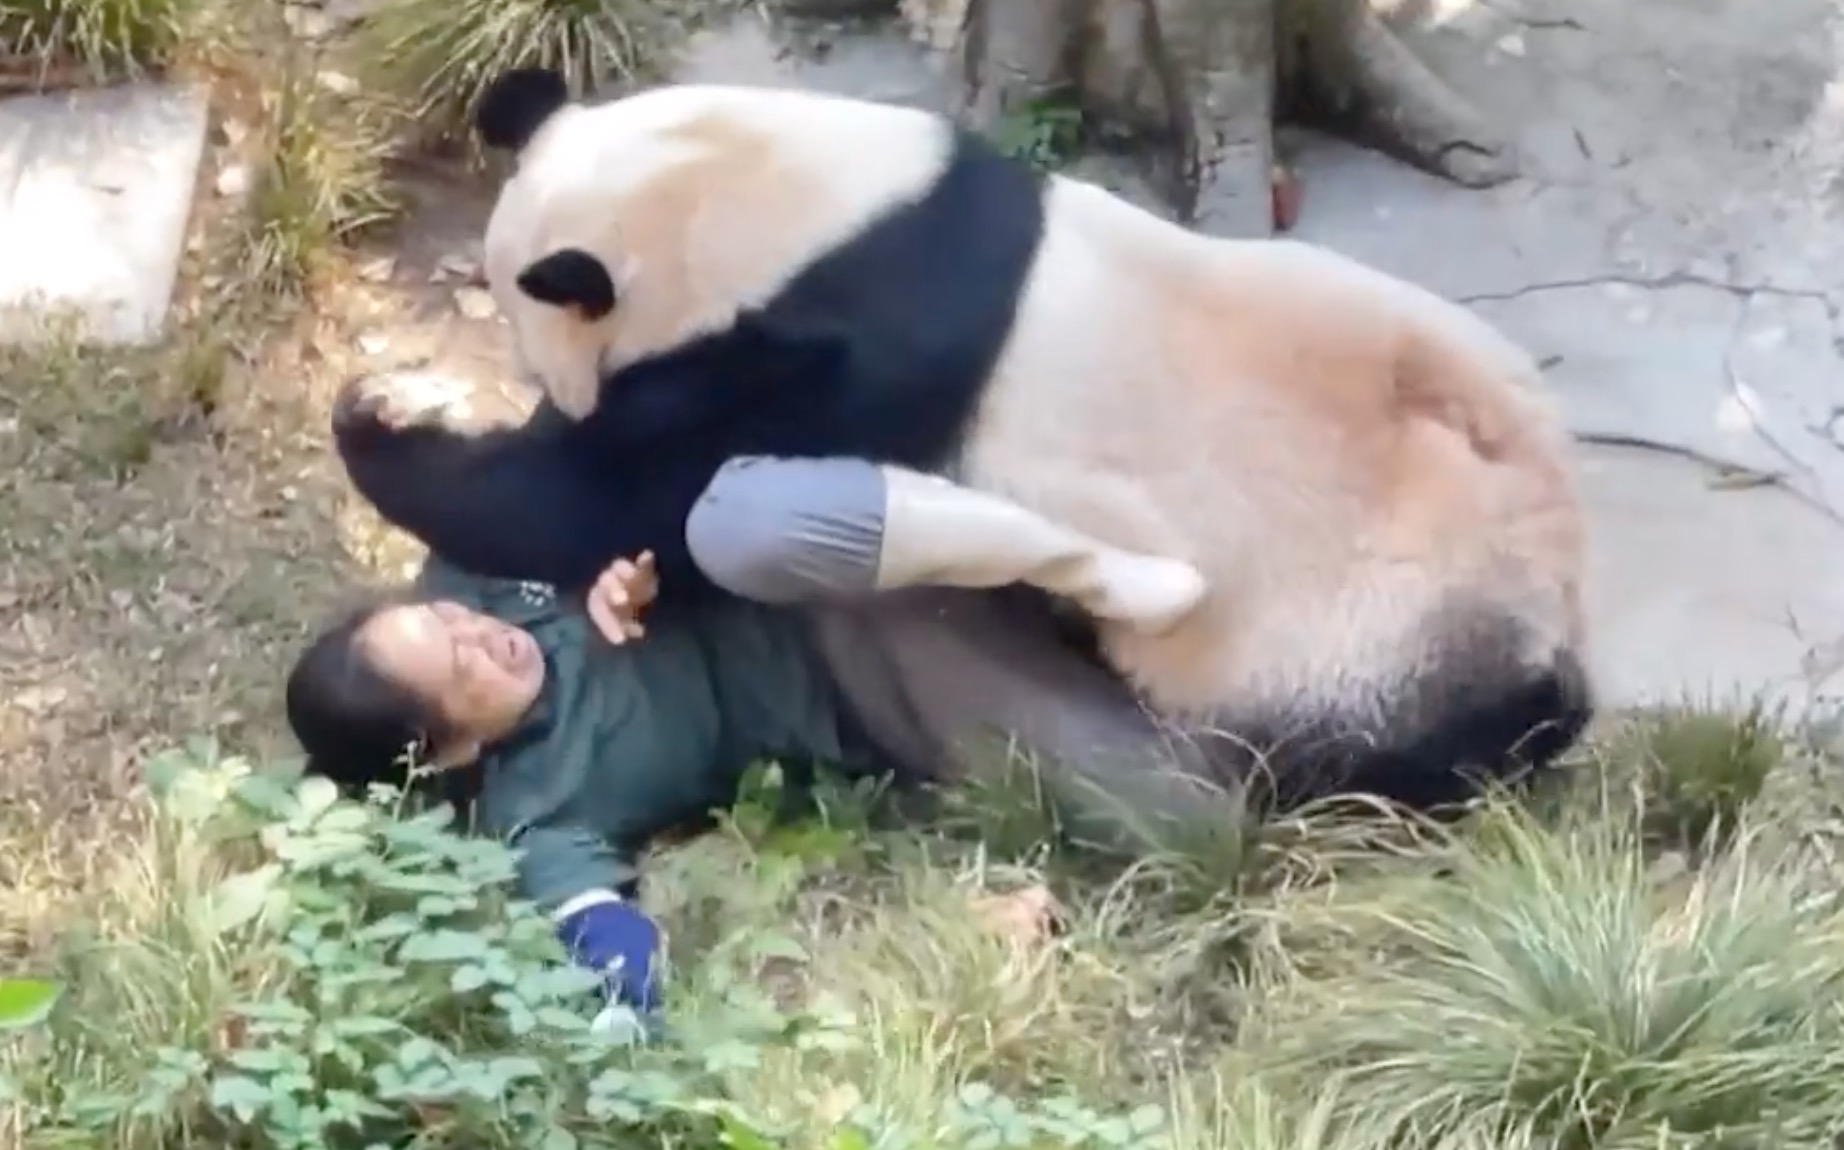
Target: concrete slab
(96, 189)
(867, 60)
(1699, 592)
(1676, 256)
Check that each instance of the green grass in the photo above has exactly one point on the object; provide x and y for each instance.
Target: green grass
(1518, 981)
(1546, 982)
(1700, 764)
(1044, 134)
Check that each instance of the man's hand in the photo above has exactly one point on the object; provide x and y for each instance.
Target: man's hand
(618, 597)
(616, 940)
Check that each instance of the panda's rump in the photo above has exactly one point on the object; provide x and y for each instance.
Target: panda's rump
(1194, 398)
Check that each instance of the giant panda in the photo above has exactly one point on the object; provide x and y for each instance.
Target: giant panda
(1369, 477)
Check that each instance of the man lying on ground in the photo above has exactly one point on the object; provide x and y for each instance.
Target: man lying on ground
(579, 735)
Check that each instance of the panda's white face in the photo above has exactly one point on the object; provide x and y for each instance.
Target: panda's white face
(579, 179)
(698, 201)
(551, 346)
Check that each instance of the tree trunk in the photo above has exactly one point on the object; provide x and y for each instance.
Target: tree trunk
(1198, 83)
(1344, 67)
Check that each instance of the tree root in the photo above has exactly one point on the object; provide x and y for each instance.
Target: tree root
(1390, 100)
(1218, 64)
(1201, 79)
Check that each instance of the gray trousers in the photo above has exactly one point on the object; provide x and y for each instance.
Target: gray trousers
(936, 675)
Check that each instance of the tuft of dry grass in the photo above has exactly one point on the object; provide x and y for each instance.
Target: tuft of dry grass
(438, 57)
(1695, 767)
(1543, 979)
(56, 43)
(321, 182)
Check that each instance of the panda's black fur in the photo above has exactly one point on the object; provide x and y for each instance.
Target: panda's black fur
(835, 364)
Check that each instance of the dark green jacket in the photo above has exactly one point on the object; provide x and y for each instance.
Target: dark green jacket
(626, 743)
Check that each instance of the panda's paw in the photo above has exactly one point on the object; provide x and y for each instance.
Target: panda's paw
(399, 400)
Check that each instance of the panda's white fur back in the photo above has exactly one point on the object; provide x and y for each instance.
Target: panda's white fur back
(1235, 410)
(1344, 455)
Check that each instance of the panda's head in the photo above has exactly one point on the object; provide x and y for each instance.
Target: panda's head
(600, 192)
(632, 226)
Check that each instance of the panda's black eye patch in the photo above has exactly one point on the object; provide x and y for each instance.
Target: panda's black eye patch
(572, 278)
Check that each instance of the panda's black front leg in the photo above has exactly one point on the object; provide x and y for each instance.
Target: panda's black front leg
(533, 501)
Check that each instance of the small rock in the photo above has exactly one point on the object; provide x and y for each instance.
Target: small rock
(475, 303)
(1025, 916)
(38, 700)
(1511, 45)
(373, 342)
(307, 23)
(461, 266)
(337, 83)
(1669, 867)
(379, 270)
(233, 182)
(836, 1104)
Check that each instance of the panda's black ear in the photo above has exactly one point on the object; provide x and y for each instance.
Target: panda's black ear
(517, 104)
(571, 277)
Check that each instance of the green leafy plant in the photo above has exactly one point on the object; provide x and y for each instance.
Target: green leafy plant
(26, 1002)
(408, 1000)
(1044, 133)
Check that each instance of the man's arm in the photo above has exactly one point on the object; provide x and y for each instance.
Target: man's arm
(518, 502)
(577, 878)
